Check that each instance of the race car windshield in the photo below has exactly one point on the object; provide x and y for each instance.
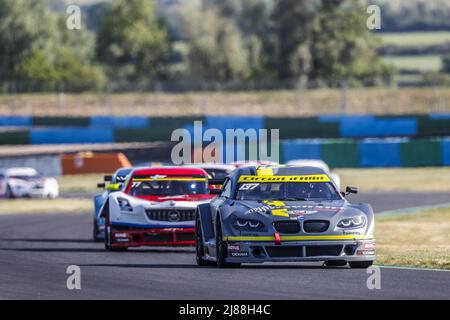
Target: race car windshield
(142, 187)
(286, 191)
(217, 173)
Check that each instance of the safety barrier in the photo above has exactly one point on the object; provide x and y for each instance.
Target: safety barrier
(324, 126)
(400, 152)
(71, 135)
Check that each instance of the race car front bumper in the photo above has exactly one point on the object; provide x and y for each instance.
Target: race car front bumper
(292, 251)
(153, 237)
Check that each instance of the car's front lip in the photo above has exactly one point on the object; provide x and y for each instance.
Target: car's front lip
(245, 254)
(344, 237)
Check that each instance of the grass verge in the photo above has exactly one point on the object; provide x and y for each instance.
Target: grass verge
(414, 240)
(76, 184)
(44, 206)
(397, 179)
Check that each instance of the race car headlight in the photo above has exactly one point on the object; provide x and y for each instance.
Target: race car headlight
(247, 224)
(354, 222)
(124, 205)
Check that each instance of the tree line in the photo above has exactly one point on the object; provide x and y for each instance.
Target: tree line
(310, 43)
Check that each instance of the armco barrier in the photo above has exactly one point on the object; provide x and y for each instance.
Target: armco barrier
(303, 128)
(120, 122)
(15, 121)
(340, 153)
(446, 152)
(300, 149)
(15, 137)
(160, 130)
(379, 153)
(400, 152)
(89, 162)
(422, 153)
(61, 121)
(370, 126)
(71, 135)
(324, 126)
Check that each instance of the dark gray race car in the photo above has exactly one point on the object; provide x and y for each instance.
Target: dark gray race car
(283, 214)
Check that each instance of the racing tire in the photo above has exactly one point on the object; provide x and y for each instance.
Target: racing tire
(108, 241)
(221, 249)
(9, 193)
(360, 264)
(95, 232)
(199, 245)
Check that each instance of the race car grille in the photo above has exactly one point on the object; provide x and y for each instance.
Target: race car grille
(171, 215)
(284, 252)
(316, 226)
(316, 251)
(287, 226)
(185, 237)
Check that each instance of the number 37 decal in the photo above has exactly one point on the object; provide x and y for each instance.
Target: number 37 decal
(248, 186)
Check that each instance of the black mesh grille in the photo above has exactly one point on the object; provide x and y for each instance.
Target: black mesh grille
(284, 252)
(315, 251)
(171, 215)
(316, 226)
(287, 226)
(156, 237)
(185, 236)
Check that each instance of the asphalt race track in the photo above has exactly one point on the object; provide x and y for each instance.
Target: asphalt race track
(35, 251)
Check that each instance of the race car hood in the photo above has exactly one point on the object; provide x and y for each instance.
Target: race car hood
(294, 209)
(268, 212)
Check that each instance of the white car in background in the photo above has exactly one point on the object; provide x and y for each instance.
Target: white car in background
(26, 183)
(318, 164)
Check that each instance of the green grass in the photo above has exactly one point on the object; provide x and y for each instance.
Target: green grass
(397, 179)
(45, 206)
(409, 39)
(416, 240)
(75, 184)
(415, 63)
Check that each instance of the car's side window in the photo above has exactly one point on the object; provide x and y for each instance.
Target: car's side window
(226, 189)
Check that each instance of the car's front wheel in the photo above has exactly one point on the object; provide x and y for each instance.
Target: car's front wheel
(360, 264)
(221, 248)
(9, 193)
(109, 241)
(199, 245)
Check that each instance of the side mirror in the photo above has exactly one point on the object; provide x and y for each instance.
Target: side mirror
(113, 187)
(107, 178)
(351, 190)
(214, 191)
(101, 185)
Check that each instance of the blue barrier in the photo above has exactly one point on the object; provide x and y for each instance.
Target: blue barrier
(446, 152)
(120, 122)
(361, 126)
(439, 116)
(223, 123)
(15, 121)
(300, 149)
(378, 127)
(348, 118)
(71, 135)
(234, 122)
(379, 153)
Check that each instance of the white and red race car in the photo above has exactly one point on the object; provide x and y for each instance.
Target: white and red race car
(155, 207)
(26, 183)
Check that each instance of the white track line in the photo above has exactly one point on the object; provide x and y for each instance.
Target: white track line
(412, 268)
